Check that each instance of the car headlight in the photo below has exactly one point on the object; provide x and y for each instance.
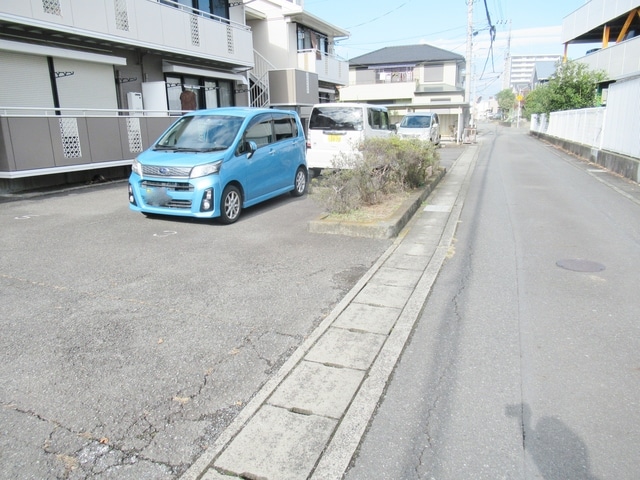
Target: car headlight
(136, 167)
(206, 169)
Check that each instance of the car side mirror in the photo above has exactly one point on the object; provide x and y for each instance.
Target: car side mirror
(393, 127)
(250, 148)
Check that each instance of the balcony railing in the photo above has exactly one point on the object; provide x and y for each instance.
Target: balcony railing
(377, 91)
(163, 26)
(617, 60)
(329, 68)
(36, 141)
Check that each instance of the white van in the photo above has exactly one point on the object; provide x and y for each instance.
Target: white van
(336, 130)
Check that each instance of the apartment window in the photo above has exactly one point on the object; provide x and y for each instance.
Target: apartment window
(394, 75)
(219, 8)
(209, 92)
(433, 73)
(324, 97)
(311, 40)
(226, 97)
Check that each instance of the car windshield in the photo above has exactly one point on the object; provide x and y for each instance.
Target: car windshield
(416, 121)
(201, 133)
(336, 118)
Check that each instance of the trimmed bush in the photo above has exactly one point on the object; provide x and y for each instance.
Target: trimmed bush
(383, 166)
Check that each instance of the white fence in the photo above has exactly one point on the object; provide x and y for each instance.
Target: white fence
(614, 128)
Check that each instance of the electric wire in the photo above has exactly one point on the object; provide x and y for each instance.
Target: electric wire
(492, 38)
(381, 16)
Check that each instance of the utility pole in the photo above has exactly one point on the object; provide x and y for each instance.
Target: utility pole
(469, 51)
(507, 62)
(467, 89)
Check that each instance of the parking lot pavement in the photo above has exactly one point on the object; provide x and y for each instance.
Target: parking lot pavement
(131, 343)
(307, 421)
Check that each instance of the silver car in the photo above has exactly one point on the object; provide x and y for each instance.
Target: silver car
(423, 125)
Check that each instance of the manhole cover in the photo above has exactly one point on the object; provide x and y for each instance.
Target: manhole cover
(578, 265)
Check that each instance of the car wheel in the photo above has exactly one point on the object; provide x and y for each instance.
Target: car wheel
(231, 204)
(300, 183)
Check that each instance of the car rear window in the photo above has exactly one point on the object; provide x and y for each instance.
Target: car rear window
(336, 118)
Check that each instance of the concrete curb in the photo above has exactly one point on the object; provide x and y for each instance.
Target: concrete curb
(387, 228)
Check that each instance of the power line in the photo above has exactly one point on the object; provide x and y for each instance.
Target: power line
(492, 37)
(381, 16)
(388, 41)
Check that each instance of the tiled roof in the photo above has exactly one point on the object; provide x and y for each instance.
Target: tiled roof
(413, 54)
(543, 70)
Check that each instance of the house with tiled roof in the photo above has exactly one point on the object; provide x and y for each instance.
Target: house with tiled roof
(542, 72)
(411, 78)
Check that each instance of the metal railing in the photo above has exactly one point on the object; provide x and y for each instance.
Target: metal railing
(202, 13)
(44, 141)
(259, 92)
(81, 112)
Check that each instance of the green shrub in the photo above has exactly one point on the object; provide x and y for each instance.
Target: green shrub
(382, 166)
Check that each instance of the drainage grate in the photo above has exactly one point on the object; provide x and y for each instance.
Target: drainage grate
(579, 265)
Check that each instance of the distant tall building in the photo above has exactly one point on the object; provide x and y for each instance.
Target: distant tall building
(519, 70)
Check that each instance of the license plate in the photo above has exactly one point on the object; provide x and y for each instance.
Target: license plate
(335, 138)
(157, 196)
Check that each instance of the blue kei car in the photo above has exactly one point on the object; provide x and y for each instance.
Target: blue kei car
(214, 163)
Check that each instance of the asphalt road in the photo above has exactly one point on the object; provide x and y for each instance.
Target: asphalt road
(525, 363)
(129, 343)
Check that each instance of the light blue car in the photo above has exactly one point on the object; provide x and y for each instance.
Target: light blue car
(214, 163)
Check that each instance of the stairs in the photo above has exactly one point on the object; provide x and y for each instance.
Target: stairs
(259, 81)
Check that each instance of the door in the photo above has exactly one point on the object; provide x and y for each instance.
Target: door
(262, 169)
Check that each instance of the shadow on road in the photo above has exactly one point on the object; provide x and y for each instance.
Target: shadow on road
(557, 451)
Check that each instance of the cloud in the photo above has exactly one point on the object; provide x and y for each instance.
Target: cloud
(536, 40)
(543, 40)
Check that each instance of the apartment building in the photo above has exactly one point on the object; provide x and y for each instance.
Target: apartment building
(86, 85)
(615, 26)
(295, 60)
(520, 70)
(412, 78)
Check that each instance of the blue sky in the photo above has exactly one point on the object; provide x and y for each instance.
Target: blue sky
(535, 28)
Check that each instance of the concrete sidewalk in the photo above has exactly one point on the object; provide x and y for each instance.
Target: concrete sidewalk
(307, 421)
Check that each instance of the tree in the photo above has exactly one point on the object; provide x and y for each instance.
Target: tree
(535, 101)
(572, 86)
(506, 100)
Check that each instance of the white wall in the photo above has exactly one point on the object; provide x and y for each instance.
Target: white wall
(614, 128)
(622, 124)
